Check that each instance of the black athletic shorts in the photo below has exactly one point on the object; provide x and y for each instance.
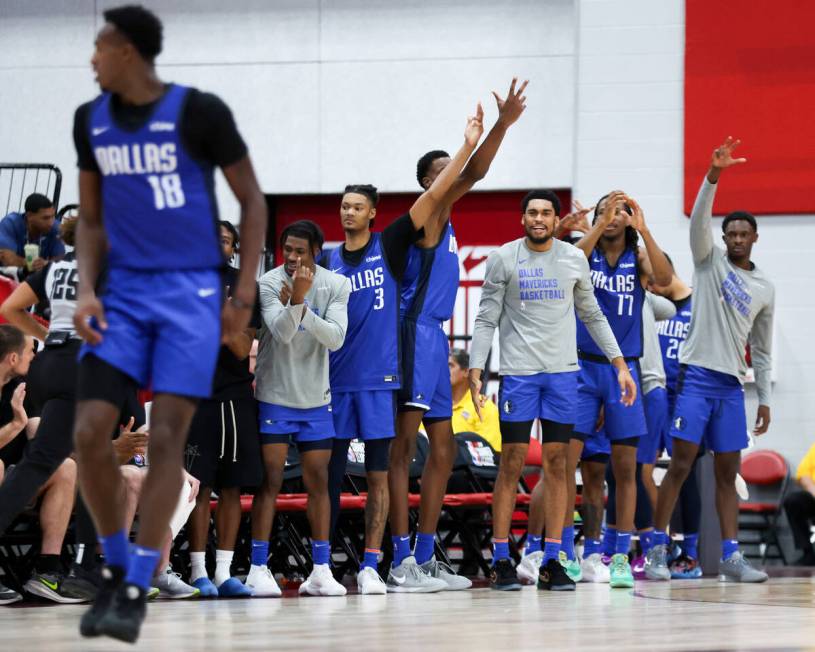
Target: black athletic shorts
(223, 447)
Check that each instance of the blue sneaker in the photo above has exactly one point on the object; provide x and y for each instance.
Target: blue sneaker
(234, 588)
(205, 587)
(685, 568)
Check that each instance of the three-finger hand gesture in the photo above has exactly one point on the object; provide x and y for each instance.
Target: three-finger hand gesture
(511, 108)
(723, 155)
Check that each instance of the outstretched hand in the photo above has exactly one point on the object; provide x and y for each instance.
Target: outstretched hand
(511, 108)
(723, 155)
(577, 220)
(475, 127)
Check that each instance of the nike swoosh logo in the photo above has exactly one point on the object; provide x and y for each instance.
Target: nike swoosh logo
(99, 130)
(206, 292)
(398, 580)
(51, 585)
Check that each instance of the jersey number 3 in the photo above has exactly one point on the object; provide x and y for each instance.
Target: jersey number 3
(167, 190)
(380, 299)
(65, 281)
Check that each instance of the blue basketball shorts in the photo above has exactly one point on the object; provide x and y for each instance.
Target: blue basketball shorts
(597, 386)
(301, 424)
(425, 369)
(364, 414)
(164, 328)
(709, 410)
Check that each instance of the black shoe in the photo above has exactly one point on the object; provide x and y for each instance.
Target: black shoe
(808, 559)
(51, 586)
(7, 595)
(553, 577)
(123, 619)
(112, 577)
(503, 577)
(81, 582)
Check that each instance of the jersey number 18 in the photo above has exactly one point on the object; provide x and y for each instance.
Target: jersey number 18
(167, 190)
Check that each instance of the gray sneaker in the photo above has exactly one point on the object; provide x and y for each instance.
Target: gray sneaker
(7, 595)
(656, 563)
(170, 585)
(408, 577)
(737, 569)
(442, 571)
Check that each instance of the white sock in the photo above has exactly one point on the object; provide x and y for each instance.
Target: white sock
(198, 561)
(223, 561)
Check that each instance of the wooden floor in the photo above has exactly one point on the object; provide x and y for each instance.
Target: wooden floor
(687, 615)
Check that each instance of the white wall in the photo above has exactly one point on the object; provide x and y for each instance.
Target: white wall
(334, 91)
(325, 92)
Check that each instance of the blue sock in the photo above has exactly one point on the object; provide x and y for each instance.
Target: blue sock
(646, 541)
(609, 541)
(689, 545)
(593, 546)
(260, 552)
(500, 550)
(729, 546)
(371, 559)
(551, 550)
(116, 549)
(401, 549)
(320, 551)
(623, 544)
(567, 542)
(143, 561)
(424, 547)
(660, 538)
(533, 544)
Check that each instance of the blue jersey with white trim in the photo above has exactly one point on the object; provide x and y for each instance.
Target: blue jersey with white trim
(620, 294)
(430, 282)
(369, 357)
(158, 202)
(672, 333)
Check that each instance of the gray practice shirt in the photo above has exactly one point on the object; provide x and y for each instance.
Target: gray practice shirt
(731, 306)
(292, 364)
(652, 371)
(531, 297)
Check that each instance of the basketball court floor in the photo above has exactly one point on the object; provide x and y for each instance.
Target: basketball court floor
(682, 615)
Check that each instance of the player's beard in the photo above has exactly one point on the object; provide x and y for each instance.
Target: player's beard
(536, 240)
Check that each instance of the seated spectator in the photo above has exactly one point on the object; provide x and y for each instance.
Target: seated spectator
(800, 508)
(464, 417)
(35, 226)
(16, 353)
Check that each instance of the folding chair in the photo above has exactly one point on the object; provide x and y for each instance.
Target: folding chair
(767, 475)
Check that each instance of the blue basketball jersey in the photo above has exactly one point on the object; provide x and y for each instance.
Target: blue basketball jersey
(620, 294)
(158, 203)
(430, 282)
(369, 357)
(672, 332)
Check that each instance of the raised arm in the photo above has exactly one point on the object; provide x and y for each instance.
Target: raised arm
(91, 248)
(761, 339)
(657, 263)
(509, 110)
(244, 185)
(701, 237)
(429, 201)
(330, 330)
(612, 204)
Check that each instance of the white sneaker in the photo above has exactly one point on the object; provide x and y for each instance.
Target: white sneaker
(322, 582)
(170, 585)
(527, 571)
(594, 570)
(262, 583)
(370, 583)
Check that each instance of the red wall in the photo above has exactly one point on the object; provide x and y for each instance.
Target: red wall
(750, 74)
